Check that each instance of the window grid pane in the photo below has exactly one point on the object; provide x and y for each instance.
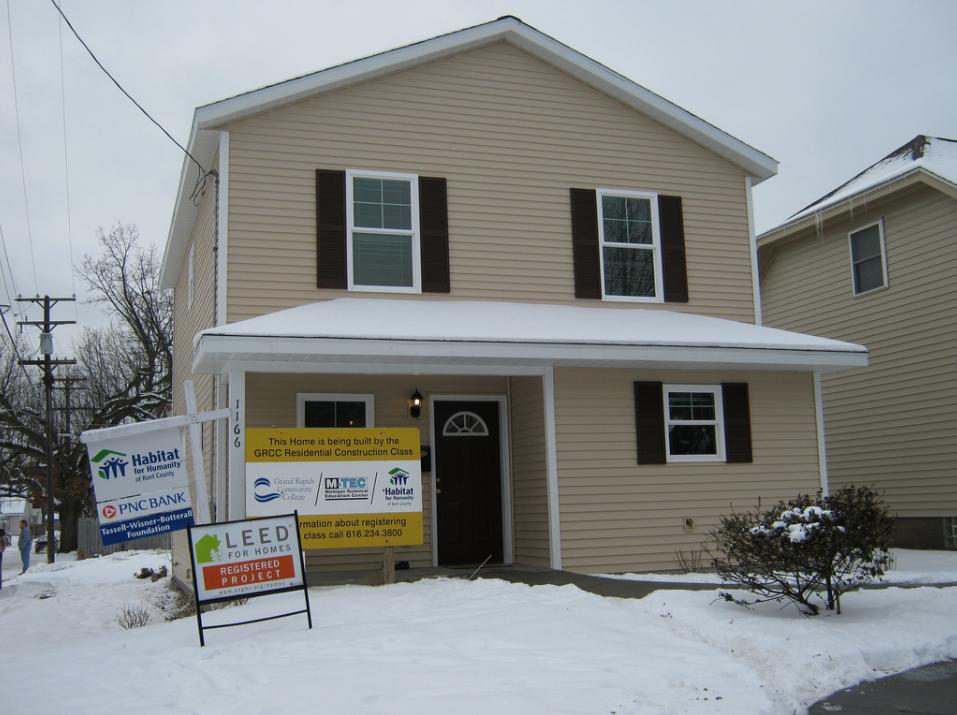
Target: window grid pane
(382, 203)
(693, 423)
(629, 271)
(380, 259)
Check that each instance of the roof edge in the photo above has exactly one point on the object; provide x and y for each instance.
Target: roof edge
(755, 162)
(886, 188)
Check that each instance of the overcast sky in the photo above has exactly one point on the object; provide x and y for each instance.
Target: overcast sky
(825, 87)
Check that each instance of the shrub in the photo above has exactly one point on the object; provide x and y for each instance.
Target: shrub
(806, 547)
(133, 616)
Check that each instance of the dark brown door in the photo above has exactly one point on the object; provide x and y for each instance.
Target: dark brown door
(468, 480)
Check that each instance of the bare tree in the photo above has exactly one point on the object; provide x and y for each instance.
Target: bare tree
(126, 369)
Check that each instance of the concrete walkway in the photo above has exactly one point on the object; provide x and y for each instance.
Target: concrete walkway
(931, 690)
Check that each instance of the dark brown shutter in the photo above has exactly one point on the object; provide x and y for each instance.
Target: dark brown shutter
(331, 228)
(585, 243)
(650, 421)
(737, 422)
(434, 228)
(674, 268)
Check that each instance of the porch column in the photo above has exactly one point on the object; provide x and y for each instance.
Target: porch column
(821, 437)
(237, 444)
(551, 469)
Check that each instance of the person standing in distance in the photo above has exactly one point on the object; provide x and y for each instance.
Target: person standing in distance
(4, 543)
(24, 543)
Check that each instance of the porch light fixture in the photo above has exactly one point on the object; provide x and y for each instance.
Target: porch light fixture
(415, 404)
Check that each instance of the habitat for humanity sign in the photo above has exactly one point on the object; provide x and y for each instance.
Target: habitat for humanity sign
(351, 487)
(141, 485)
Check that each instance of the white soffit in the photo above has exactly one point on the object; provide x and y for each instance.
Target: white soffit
(450, 332)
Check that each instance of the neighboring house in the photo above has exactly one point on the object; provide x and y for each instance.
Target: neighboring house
(560, 261)
(875, 262)
(12, 510)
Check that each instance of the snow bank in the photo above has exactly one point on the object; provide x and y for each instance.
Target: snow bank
(447, 645)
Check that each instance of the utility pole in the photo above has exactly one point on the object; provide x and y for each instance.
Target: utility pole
(47, 364)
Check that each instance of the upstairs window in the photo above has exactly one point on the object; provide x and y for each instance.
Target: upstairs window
(383, 231)
(868, 260)
(629, 239)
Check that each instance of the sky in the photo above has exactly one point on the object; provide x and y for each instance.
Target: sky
(825, 87)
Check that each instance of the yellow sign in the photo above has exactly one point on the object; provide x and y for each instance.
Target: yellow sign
(326, 445)
(349, 531)
(352, 487)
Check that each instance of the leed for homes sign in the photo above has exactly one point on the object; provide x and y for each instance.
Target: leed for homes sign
(351, 487)
(245, 558)
(141, 485)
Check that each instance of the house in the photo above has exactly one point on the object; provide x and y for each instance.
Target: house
(875, 262)
(559, 261)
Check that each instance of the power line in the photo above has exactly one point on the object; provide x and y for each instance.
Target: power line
(66, 166)
(23, 176)
(12, 282)
(201, 179)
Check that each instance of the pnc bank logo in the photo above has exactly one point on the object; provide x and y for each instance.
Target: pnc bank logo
(399, 477)
(109, 511)
(263, 491)
(110, 464)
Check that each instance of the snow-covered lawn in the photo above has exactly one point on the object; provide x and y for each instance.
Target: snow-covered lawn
(446, 646)
(909, 566)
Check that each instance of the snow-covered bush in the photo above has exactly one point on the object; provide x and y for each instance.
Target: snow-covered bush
(808, 550)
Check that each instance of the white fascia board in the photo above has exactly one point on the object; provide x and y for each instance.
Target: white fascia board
(203, 145)
(754, 162)
(214, 352)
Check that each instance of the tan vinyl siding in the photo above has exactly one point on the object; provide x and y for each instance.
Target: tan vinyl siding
(511, 134)
(187, 321)
(529, 496)
(617, 515)
(271, 402)
(892, 424)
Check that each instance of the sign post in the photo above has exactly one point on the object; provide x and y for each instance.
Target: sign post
(243, 559)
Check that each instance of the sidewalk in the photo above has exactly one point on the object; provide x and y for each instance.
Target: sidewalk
(931, 690)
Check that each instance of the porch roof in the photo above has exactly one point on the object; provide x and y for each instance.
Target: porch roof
(423, 335)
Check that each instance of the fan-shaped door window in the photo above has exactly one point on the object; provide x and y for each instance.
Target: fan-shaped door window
(465, 424)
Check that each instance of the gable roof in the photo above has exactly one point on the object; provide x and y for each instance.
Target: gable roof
(921, 157)
(210, 117)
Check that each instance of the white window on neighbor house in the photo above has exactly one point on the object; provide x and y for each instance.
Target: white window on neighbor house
(320, 409)
(383, 231)
(630, 241)
(694, 429)
(189, 277)
(868, 258)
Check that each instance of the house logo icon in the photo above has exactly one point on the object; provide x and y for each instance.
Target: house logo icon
(399, 477)
(110, 463)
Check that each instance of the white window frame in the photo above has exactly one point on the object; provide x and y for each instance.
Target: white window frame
(718, 423)
(655, 247)
(303, 397)
(190, 275)
(850, 251)
(413, 180)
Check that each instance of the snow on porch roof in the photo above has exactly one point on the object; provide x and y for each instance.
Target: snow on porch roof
(420, 331)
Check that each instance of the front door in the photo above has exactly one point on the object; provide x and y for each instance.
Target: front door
(468, 482)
